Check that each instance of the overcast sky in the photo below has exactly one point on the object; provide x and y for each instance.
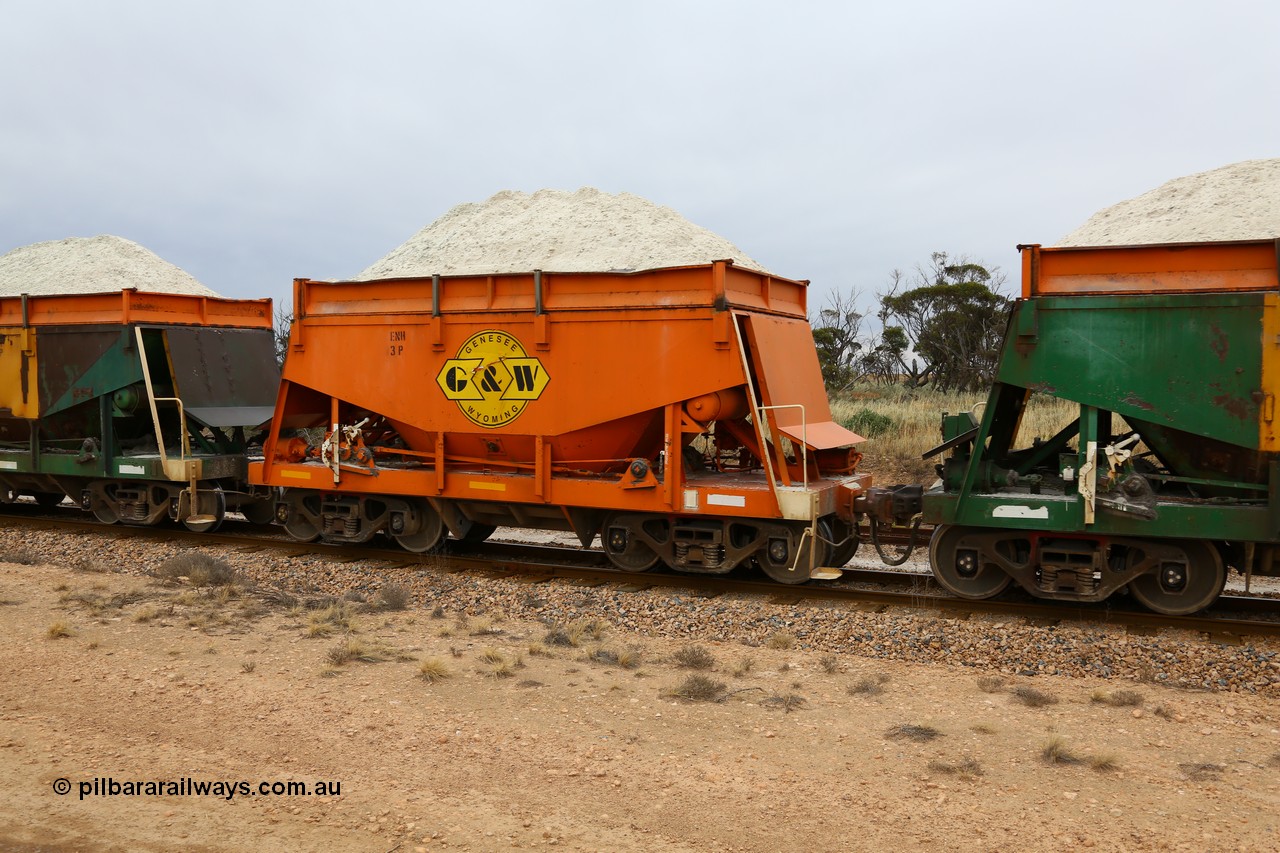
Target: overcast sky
(253, 142)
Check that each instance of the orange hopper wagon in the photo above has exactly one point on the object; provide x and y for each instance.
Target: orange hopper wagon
(678, 413)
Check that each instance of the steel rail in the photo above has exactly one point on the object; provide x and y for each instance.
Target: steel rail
(1229, 620)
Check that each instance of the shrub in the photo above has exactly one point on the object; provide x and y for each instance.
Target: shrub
(782, 640)
(868, 423)
(788, 702)
(1118, 699)
(968, 766)
(392, 596)
(1201, 772)
(700, 688)
(919, 734)
(694, 657)
(1032, 697)
(868, 685)
(198, 568)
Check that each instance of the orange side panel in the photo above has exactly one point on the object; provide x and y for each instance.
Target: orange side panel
(1166, 268)
(790, 375)
(131, 306)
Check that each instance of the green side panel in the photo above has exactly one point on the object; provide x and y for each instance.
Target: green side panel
(1203, 520)
(1192, 361)
(149, 467)
(79, 364)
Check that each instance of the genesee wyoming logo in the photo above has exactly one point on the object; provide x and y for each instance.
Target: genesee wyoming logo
(492, 379)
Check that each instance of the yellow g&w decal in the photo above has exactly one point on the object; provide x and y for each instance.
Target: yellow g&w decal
(492, 379)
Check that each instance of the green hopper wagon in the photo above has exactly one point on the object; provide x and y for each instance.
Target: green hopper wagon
(139, 406)
(1168, 475)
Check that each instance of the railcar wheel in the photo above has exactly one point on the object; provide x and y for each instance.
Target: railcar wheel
(105, 511)
(1178, 588)
(211, 508)
(430, 532)
(48, 500)
(776, 561)
(842, 554)
(299, 527)
(624, 548)
(959, 567)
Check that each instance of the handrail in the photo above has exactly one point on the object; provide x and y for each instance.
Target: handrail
(185, 444)
(804, 437)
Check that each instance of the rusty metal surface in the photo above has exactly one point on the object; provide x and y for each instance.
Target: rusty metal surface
(225, 377)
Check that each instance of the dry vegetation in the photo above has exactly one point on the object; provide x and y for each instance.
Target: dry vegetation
(901, 423)
(452, 653)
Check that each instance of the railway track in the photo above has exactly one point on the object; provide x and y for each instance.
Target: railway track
(1231, 620)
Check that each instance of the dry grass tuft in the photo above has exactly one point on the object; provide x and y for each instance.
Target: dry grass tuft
(991, 683)
(484, 628)
(1164, 712)
(625, 658)
(587, 629)
(199, 569)
(558, 635)
(1201, 772)
(146, 614)
(338, 616)
(352, 649)
(700, 688)
(1118, 698)
(983, 728)
(830, 664)
(20, 557)
(868, 685)
(57, 631)
(968, 767)
(248, 666)
(743, 667)
(538, 650)
(919, 734)
(788, 702)
(433, 669)
(1104, 762)
(781, 640)
(492, 655)
(1055, 751)
(1031, 697)
(392, 596)
(694, 657)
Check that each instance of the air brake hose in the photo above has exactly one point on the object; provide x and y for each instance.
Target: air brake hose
(905, 555)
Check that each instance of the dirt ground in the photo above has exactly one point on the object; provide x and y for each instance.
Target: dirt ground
(525, 741)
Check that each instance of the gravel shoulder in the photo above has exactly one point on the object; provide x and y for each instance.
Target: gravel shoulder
(554, 721)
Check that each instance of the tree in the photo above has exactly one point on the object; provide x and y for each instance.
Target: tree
(835, 334)
(280, 333)
(953, 317)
